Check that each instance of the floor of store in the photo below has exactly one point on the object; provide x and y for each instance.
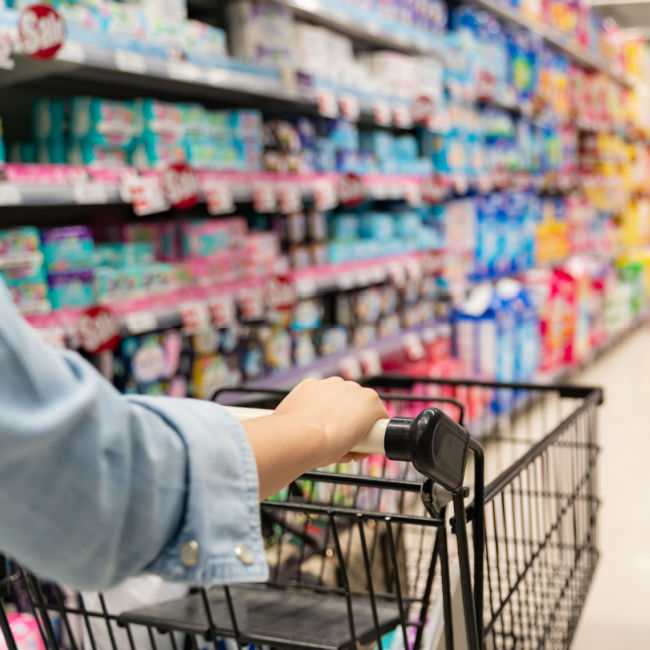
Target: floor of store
(616, 612)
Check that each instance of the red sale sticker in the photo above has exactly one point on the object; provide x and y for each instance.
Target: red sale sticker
(351, 190)
(181, 184)
(98, 330)
(280, 293)
(41, 31)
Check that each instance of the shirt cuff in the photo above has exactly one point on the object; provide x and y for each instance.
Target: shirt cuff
(219, 540)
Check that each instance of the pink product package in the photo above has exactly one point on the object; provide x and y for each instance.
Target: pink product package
(25, 631)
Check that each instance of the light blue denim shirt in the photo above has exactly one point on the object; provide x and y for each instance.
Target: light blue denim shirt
(96, 486)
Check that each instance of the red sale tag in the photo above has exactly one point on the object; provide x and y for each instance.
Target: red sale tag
(351, 190)
(97, 330)
(41, 31)
(264, 198)
(280, 293)
(181, 184)
(218, 196)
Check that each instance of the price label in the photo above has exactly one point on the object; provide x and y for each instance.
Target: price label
(461, 186)
(147, 196)
(98, 330)
(251, 304)
(289, 198)
(412, 194)
(432, 190)
(216, 76)
(350, 107)
(222, 311)
(130, 62)
(351, 190)
(397, 273)
(413, 347)
(413, 269)
(423, 110)
(194, 317)
(350, 368)
(370, 363)
(181, 185)
(218, 196)
(6, 49)
(72, 51)
(382, 113)
(325, 195)
(402, 117)
(327, 104)
(89, 192)
(264, 197)
(183, 71)
(53, 336)
(139, 322)
(41, 31)
(9, 194)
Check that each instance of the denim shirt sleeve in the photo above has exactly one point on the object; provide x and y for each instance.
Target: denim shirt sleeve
(96, 486)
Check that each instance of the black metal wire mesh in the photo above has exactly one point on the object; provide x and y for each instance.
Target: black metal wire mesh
(356, 558)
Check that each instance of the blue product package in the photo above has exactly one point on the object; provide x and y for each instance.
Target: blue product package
(68, 249)
(405, 147)
(52, 152)
(488, 231)
(246, 122)
(376, 225)
(324, 155)
(71, 289)
(379, 143)
(344, 225)
(102, 121)
(407, 223)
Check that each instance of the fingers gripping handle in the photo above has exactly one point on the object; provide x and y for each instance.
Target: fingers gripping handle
(373, 443)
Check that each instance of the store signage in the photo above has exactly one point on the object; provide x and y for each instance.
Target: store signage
(98, 330)
(41, 31)
(351, 190)
(181, 185)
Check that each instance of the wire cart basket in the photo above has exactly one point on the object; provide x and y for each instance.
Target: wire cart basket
(399, 551)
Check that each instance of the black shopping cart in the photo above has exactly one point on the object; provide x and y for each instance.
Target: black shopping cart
(363, 555)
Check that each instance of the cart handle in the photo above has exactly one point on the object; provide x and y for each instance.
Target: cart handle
(435, 443)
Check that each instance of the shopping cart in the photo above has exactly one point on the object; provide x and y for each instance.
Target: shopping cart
(362, 555)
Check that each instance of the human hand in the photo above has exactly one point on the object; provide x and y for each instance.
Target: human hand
(341, 411)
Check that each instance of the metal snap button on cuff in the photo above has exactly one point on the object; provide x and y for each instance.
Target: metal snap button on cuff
(244, 554)
(190, 553)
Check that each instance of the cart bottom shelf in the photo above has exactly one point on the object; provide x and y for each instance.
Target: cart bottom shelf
(265, 615)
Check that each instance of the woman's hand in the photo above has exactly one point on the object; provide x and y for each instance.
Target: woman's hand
(343, 410)
(317, 424)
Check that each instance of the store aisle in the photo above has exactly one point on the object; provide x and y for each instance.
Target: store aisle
(617, 613)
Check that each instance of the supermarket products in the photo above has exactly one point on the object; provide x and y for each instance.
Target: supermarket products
(68, 249)
(71, 289)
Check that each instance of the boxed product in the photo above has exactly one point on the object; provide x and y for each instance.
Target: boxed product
(68, 249)
(71, 289)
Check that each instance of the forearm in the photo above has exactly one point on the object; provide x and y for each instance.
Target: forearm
(284, 447)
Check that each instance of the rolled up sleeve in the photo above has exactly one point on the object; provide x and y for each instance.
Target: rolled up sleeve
(96, 486)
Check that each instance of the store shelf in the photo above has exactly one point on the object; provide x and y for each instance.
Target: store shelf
(322, 13)
(552, 37)
(352, 363)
